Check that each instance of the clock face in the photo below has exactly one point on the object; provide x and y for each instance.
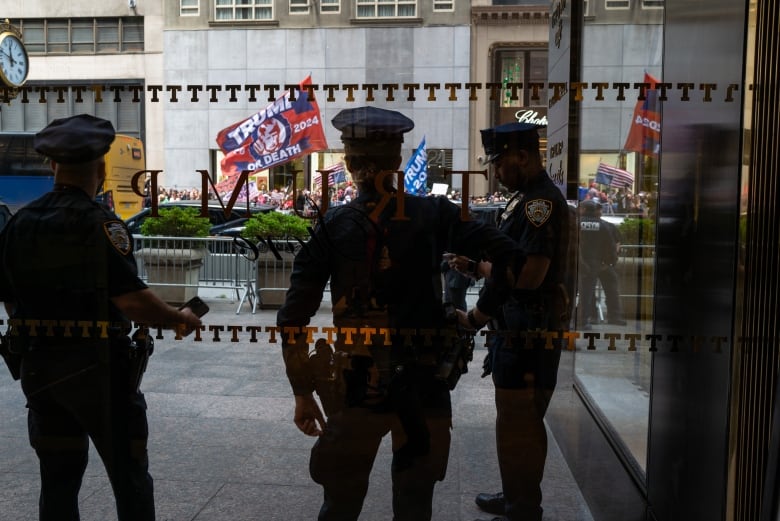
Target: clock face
(14, 63)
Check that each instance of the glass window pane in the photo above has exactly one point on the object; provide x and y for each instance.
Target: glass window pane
(82, 36)
(263, 13)
(57, 36)
(330, 6)
(132, 34)
(107, 35)
(34, 36)
(189, 7)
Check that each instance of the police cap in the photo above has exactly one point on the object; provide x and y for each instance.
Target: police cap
(516, 136)
(77, 139)
(372, 124)
(590, 207)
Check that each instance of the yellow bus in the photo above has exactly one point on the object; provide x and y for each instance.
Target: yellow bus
(123, 160)
(25, 174)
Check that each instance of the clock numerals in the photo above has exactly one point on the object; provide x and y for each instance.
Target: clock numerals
(14, 63)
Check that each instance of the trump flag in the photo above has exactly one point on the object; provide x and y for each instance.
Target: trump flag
(644, 135)
(416, 171)
(281, 132)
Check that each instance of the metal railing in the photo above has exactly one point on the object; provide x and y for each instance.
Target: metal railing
(168, 263)
(189, 263)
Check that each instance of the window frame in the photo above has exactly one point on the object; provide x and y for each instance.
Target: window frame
(333, 3)
(188, 10)
(301, 7)
(653, 4)
(254, 5)
(617, 7)
(108, 35)
(437, 3)
(375, 5)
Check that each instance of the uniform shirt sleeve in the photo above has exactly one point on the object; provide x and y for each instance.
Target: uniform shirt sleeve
(122, 267)
(534, 225)
(310, 273)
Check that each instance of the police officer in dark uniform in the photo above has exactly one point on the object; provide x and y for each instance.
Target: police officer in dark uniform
(69, 284)
(599, 244)
(382, 255)
(524, 371)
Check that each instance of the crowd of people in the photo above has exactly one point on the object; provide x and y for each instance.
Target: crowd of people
(618, 200)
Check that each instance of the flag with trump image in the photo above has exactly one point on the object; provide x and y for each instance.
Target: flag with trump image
(288, 128)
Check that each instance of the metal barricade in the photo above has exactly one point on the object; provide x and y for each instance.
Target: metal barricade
(177, 266)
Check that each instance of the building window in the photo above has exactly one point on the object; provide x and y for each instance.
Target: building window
(330, 6)
(386, 8)
(443, 5)
(244, 10)
(82, 35)
(516, 68)
(189, 7)
(299, 6)
(617, 4)
(653, 4)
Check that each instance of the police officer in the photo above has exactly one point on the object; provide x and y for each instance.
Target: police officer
(382, 254)
(599, 244)
(69, 284)
(524, 371)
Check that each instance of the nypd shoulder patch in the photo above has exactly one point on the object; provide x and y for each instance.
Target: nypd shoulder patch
(538, 211)
(117, 234)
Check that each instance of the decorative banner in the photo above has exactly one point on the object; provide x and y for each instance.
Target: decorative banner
(416, 171)
(336, 174)
(281, 132)
(645, 133)
(609, 175)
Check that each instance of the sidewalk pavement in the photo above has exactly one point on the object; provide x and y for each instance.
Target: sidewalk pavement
(223, 446)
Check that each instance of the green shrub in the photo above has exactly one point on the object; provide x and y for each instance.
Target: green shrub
(177, 222)
(276, 225)
(635, 231)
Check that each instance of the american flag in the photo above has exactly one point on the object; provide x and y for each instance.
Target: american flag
(336, 174)
(609, 175)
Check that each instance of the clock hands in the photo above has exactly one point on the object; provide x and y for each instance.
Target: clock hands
(13, 62)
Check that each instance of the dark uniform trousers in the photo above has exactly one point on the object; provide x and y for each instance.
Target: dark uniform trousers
(342, 458)
(72, 397)
(525, 374)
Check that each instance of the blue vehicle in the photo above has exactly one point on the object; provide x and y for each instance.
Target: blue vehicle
(24, 173)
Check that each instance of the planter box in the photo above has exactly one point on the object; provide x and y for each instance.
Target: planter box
(273, 275)
(636, 276)
(173, 273)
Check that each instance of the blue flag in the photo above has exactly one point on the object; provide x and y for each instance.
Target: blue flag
(416, 171)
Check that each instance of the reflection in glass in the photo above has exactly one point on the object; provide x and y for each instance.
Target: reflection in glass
(620, 174)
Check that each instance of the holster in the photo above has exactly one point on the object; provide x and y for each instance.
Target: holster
(327, 371)
(455, 357)
(140, 349)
